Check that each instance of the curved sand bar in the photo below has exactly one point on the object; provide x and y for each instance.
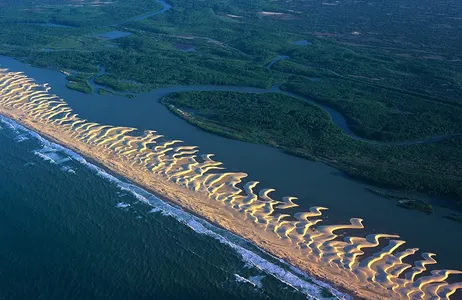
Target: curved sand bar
(200, 184)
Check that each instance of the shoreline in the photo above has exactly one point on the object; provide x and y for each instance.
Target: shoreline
(254, 237)
(214, 128)
(181, 178)
(164, 198)
(445, 191)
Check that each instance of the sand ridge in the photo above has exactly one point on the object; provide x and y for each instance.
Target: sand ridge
(197, 182)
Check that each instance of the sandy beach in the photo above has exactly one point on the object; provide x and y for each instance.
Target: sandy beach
(175, 173)
(200, 206)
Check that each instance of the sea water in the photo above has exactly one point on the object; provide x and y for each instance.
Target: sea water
(69, 230)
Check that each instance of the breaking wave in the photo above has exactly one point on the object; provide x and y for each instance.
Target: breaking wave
(288, 275)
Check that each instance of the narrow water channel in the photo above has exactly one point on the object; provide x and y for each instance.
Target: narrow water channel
(313, 183)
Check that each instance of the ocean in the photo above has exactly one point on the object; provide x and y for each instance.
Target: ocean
(69, 230)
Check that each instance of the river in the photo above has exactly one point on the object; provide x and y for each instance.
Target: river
(337, 117)
(314, 183)
(165, 7)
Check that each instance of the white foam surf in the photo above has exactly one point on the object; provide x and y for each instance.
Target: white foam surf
(257, 280)
(122, 205)
(68, 169)
(21, 138)
(239, 278)
(288, 275)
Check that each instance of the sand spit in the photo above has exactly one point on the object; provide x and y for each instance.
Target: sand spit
(200, 184)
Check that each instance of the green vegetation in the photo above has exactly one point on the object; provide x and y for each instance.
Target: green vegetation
(67, 13)
(80, 77)
(82, 87)
(117, 85)
(389, 89)
(416, 205)
(393, 81)
(306, 130)
(79, 83)
(454, 217)
(405, 202)
(103, 92)
(382, 114)
(386, 195)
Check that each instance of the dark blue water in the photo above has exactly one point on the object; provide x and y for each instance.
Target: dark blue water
(55, 25)
(313, 183)
(165, 7)
(114, 34)
(71, 231)
(275, 60)
(337, 118)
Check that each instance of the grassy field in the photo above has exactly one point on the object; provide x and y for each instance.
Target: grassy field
(393, 80)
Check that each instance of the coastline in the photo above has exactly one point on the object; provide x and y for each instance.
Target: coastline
(359, 165)
(176, 176)
(360, 170)
(219, 216)
(359, 263)
(337, 285)
(94, 161)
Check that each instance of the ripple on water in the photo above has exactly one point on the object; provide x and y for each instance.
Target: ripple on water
(321, 243)
(198, 225)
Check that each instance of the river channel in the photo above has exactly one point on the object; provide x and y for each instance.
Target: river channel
(314, 183)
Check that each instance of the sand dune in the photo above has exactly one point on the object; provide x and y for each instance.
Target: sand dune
(200, 184)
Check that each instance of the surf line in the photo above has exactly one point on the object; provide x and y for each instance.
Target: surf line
(294, 278)
(200, 184)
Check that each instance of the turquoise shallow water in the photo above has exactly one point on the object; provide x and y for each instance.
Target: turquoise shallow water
(71, 231)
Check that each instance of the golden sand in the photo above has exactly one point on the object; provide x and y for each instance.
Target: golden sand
(198, 183)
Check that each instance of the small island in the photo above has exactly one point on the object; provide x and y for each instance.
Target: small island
(416, 205)
(79, 83)
(405, 202)
(454, 217)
